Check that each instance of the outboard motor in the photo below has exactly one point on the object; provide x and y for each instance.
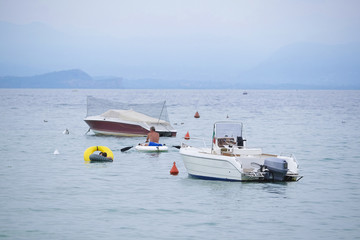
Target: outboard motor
(240, 141)
(277, 169)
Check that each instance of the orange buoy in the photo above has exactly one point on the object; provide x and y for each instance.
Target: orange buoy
(197, 115)
(174, 170)
(187, 136)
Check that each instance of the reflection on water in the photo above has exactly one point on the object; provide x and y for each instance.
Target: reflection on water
(278, 188)
(136, 196)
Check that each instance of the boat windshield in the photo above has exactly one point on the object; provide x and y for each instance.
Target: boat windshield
(228, 129)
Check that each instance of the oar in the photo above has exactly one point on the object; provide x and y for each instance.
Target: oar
(178, 147)
(126, 148)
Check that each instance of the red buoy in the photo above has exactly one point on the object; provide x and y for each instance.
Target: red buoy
(187, 136)
(197, 115)
(174, 170)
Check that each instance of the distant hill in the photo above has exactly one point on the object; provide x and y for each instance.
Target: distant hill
(257, 78)
(308, 65)
(61, 79)
(79, 79)
(26, 50)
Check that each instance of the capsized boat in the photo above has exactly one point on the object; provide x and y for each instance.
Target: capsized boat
(106, 117)
(142, 147)
(229, 159)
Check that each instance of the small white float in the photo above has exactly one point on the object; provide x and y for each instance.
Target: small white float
(144, 148)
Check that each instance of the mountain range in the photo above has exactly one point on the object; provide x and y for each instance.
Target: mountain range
(73, 78)
(309, 65)
(31, 54)
(76, 78)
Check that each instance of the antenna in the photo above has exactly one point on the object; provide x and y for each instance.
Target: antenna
(161, 111)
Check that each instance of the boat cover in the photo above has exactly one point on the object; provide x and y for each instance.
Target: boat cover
(130, 115)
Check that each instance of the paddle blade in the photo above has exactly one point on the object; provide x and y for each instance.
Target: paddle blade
(125, 149)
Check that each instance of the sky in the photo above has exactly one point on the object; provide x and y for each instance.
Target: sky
(188, 38)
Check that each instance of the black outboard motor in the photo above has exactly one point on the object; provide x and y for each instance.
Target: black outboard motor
(277, 169)
(240, 141)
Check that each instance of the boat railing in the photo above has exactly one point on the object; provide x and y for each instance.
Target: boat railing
(290, 155)
(293, 157)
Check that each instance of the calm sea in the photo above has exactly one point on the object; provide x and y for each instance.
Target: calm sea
(48, 196)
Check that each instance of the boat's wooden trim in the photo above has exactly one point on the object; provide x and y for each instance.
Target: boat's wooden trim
(269, 155)
(228, 154)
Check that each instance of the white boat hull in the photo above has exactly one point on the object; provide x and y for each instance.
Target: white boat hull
(142, 148)
(211, 168)
(201, 163)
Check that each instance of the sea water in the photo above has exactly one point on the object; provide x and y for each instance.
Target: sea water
(59, 196)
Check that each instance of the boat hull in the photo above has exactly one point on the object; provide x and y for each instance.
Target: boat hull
(211, 168)
(114, 128)
(200, 163)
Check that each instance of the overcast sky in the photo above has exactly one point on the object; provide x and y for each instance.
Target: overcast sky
(239, 32)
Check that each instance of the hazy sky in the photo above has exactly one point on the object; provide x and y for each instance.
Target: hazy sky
(197, 34)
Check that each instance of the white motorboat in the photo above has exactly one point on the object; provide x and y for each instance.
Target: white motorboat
(229, 159)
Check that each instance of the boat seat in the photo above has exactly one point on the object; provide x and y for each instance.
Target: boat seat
(227, 154)
(225, 141)
(221, 142)
(223, 149)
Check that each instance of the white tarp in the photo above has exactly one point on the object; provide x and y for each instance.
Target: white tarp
(130, 115)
